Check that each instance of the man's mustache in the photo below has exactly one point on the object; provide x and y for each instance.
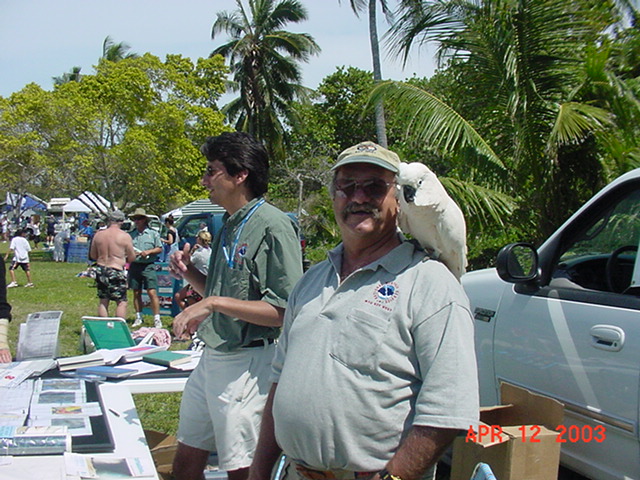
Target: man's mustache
(361, 208)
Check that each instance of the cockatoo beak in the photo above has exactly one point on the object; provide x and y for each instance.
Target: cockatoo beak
(409, 193)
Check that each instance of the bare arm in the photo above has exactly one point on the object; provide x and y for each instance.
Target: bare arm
(129, 252)
(267, 450)
(93, 249)
(420, 450)
(257, 312)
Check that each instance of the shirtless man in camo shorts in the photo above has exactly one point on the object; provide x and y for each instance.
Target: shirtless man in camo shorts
(112, 248)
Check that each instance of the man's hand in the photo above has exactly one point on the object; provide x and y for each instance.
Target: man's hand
(186, 323)
(179, 262)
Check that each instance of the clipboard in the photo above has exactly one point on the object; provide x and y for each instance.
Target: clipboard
(108, 333)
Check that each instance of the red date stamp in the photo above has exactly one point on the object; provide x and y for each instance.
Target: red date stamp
(531, 433)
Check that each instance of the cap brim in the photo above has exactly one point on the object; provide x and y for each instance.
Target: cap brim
(366, 159)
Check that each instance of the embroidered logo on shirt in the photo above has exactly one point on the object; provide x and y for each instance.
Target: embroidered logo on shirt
(384, 294)
(240, 253)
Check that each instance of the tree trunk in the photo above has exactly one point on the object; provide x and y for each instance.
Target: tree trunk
(381, 129)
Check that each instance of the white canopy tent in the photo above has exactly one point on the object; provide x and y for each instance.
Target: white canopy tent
(76, 206)
(198, 206)
(88, 202)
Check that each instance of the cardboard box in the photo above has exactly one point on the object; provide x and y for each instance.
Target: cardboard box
(163, 449)
(516, 439)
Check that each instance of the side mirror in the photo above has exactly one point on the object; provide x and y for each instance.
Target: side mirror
(518, 263)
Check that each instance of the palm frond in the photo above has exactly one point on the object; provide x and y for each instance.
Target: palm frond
(431, 120)
(576, 120)
(483, 205)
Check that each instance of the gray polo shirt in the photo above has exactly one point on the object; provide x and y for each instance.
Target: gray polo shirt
(359, 363)
(256, 256)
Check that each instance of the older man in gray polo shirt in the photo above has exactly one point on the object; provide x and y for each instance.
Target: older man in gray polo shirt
(375, 371)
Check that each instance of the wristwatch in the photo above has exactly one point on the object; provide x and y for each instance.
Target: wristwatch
(385, 475)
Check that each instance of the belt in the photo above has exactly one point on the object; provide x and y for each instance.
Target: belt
(312, 474)
(261, 342)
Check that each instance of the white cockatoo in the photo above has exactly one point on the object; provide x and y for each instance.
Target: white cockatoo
(429, 215)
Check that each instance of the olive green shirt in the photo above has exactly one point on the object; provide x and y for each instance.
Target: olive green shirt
(255, 256)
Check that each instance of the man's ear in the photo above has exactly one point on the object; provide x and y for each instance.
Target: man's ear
(241, 176)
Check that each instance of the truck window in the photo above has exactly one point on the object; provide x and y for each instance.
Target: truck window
(587, 261)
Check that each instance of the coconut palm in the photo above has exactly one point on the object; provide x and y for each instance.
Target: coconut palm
(264, 61)
(72, 76)
(110, 51)
(370, 5)
(520, 64)
(115, 52)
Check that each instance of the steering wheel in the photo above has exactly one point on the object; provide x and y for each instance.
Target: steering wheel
(612, 268)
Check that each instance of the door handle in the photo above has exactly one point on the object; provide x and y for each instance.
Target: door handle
(607, 337)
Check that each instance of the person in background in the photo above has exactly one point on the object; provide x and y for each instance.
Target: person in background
(34, 227)
(256, 259)
(86, 230)
(51, 229)
(142, 272)
(375, 371)
(21, 248)
(170, 243)
(5, 317)
(112, 249)
(4, 228)
(60, 240)
(200, 254)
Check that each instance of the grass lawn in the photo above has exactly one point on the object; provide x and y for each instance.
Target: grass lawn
(58, 288)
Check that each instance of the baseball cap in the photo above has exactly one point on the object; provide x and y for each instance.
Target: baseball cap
(115, 216)
(369, 152)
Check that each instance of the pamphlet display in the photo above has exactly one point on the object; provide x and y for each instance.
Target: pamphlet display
(56, 415)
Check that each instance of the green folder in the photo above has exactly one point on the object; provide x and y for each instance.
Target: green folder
(108, 333)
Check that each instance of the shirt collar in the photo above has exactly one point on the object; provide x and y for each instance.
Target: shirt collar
(237, 217)
(394, 262)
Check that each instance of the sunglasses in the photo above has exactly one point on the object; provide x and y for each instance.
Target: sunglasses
(372, 188)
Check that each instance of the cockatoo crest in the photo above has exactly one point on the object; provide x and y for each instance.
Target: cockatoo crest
(429, 215)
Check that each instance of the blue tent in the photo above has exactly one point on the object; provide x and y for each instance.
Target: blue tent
(24, 202)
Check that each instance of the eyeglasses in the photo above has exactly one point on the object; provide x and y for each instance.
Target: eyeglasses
(372, 188)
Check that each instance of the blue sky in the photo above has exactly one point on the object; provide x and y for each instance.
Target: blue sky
(40, 39)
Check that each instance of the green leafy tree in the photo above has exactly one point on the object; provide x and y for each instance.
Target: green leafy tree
(265, 63)
(521, 68)
(131, 131)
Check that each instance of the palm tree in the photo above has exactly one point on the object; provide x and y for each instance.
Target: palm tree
(72, 76)
(115, 52)
(522, 65)
(111, 51)
(264, 61)
(358, 6)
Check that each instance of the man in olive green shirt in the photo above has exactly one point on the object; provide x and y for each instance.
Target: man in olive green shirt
(255, 262)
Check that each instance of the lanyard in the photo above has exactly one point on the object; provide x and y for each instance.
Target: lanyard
(231, 263)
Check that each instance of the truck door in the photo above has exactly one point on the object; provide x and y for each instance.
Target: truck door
(577, 339)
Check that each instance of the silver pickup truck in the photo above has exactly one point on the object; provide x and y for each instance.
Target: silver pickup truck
(563, 320)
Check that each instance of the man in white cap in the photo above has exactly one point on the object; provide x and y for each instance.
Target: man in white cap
(112, 249)
(142, 272)
(375, 371)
